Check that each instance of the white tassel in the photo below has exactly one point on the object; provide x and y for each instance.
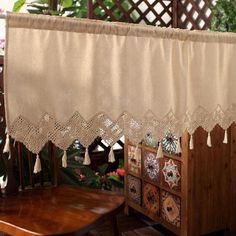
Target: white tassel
(64, 160)
(37, 165)
(7, 144)
(209, 140)
(225, 137)
(136, 153)
(87, 160)
(191, 142)
(159, 152)
(178, 147)
(111, 156)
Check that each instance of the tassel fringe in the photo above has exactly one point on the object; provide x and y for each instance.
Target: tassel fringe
(191, 142)
(87, 160)
(64, 160)
(111, 156)
(159, 152)
(178, 147)
(209, 140)
(225, 141)
(7, 144)
(37, 165)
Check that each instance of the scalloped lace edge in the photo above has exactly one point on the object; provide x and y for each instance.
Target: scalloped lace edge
(34, 137)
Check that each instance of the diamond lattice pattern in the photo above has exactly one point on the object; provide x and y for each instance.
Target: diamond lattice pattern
(194, 14)
(151, 12)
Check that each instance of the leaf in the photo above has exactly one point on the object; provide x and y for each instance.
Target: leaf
(68, 176)
(121, 163)
(73, 8)
(39, 1)
(116, 181)
(102, 169)
(34, 11)
(18, 5)
(37, 6)
(223, 16)
(66, 3)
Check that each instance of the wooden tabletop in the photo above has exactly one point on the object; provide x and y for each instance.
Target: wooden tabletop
(59, 210)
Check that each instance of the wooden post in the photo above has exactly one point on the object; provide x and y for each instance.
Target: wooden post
(185, 185)
(53, 164)
(89, 9)
(52, 4)
(175, 13)
(233, 179)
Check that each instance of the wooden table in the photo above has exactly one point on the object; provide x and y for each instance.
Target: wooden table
(58, 210)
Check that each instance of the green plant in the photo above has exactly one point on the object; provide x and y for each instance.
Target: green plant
(101, 179)
(224, 16)
(69, 8)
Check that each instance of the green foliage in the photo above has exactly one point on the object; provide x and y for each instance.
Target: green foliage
(116, 181)
(66, 3)
(79, 174)
(69, 8)
(224, 16)
(18, 5)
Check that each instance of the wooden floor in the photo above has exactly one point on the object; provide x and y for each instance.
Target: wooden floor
(135, 225)
(135, 222)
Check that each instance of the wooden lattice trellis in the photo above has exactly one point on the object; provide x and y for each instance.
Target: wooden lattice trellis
(154, 12)
(194, 14)
(186, 14)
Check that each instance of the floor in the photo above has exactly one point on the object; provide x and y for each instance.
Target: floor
(132, 223)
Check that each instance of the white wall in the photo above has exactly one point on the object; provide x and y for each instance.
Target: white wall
(6, 5)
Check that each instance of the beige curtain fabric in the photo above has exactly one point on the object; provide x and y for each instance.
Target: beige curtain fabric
(68, 79)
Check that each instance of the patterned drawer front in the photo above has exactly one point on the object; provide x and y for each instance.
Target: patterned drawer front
(169, 143)
(171, 174)
(150, 141)
(170, 208)
(134, 161)
(134, 189)
(151, 166)
(151, 198)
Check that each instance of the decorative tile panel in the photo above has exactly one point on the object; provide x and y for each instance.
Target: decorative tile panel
(169, 143)
(134, 189)
(134, 160)
(170, 208)
(171, 174)
(151, 198)
(151, 166)
(150, 141)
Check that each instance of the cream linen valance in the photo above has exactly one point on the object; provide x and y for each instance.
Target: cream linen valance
(68, 79)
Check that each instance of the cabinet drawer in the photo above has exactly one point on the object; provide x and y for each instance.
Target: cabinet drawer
(170, 208)
(151, 166)
(134, 189)
(134, 161)
(171, 174)
(151, 199)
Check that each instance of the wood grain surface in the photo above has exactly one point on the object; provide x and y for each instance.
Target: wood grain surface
(59, 210)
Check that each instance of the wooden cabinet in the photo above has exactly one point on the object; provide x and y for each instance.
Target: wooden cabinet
(192, 193)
